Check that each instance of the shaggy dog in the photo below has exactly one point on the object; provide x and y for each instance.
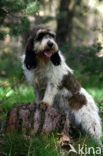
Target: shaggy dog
(54, 82)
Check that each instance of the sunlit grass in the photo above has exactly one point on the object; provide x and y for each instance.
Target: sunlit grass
(97, 94)
(18, 94)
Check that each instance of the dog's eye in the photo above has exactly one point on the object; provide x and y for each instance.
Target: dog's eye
(52, 35)
(40, 36)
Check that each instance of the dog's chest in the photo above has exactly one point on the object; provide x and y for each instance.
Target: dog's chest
(41, 77)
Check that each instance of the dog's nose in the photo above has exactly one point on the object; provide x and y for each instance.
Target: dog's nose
(50, 44)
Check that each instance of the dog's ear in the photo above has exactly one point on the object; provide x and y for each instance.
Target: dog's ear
(55, 58)
(30, 57)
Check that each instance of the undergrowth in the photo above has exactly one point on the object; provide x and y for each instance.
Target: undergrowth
(14, 89)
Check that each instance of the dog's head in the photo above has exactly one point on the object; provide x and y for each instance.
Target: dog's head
(41, 45)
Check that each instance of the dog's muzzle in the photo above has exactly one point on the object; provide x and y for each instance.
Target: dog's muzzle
(48, 52)
(50, 44)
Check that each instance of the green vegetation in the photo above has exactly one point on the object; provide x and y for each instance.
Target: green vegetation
(17, 14)
(14, 89)
(79, 23)
(42, 145)
(36, 146)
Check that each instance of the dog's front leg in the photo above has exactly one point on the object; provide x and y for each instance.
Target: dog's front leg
(49, 94)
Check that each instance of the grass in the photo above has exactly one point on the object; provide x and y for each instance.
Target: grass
(38, 145)
(97, 94)
(13, 89)
(10, 95)
(19, 145)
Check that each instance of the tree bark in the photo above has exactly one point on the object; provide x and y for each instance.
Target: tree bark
(65, 21)
(32, 119)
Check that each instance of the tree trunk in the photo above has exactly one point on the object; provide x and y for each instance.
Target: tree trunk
(33, 119)
(65, 21)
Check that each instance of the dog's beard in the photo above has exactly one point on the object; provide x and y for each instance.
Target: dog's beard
(41, 49)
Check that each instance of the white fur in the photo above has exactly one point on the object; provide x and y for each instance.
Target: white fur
(88, 116)
(47, 78)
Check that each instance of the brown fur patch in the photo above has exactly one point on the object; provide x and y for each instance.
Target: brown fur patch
(77, 100)
(43, 58)
(42, 28)
(71, 83)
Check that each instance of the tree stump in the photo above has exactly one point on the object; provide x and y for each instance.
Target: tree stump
(32, 119)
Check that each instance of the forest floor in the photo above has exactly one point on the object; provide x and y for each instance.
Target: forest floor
(14, 89)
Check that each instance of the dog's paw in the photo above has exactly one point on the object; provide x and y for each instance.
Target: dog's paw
(43, 105)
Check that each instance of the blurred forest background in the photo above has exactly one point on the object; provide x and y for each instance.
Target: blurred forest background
(79, 28)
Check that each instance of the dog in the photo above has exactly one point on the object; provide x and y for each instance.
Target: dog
(54, 83)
